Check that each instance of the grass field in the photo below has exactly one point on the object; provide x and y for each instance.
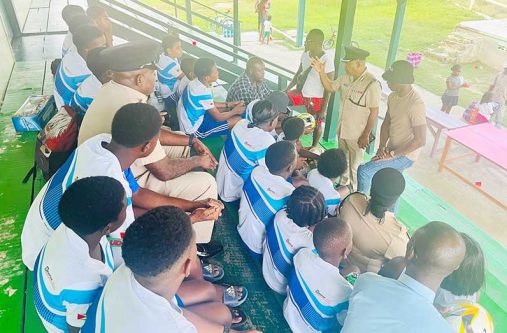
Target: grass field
(427, 22)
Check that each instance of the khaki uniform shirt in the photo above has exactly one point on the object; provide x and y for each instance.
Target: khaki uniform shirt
(405, 113)
(99, 117)
(374, 242)
(355, 110)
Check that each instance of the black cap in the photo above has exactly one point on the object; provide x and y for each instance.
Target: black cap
(133, 56)
(354, 53)
(386, 186)
(279, 100)
(401, 72)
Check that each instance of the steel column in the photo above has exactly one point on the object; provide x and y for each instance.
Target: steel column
(396, 33)
(301, 23)
(188, 7)
(237, 26)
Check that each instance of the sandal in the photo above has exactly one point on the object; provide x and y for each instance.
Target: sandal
(231, 295)
(212, 272)
(237, 314)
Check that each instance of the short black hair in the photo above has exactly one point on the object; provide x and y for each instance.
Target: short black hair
(469, 277)
(85, 35)
(203, 67)
(91, 203)
(170, 40)
(156, 240)
(316, 34)
(187, 65)
(253, 61)
(95, 12)
(293, 128)
(71, 10)
(135, 124)
(96, 62)
(263, 112)
(77, 21)
(306, 206)
(331, 234)
(332, 163)
(279, 156)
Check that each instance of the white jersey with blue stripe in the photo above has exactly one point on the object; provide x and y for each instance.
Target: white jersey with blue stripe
(85, 94)
(326, 187)
(193, 104)
(88, 160)
(168, 74)
(127, 307)
(318, 295)
(67, 44)
(264, 194)
(71, 73)
(283, 239)
(67, 280)
(244, 149)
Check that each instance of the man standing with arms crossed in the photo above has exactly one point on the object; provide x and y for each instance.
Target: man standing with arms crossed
(360, 98)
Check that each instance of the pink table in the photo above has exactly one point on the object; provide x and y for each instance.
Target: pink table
(484, 140)
(437, 122)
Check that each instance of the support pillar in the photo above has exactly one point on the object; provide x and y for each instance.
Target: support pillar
(345, 27)
(188, 8)
(301, 23)
(396, 33)
(237, 24)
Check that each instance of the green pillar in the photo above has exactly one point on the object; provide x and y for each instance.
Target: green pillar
(345, 26)
(237, 27)
(301, 23)
(188, 7)
(396, 33)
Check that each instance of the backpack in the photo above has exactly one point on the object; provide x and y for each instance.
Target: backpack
(471, 112)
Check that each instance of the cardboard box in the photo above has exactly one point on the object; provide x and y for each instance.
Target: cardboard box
(34, 114)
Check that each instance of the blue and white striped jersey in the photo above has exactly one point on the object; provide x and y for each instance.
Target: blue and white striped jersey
(318, 295)
(67, 280)
(67, 43)
(88, 160)
(168, 74)
(283, 239)
(244, 149)
(193, 104)
(264, 194)
(326, 187)
(85, 94)
(71, 73)
(127, 307)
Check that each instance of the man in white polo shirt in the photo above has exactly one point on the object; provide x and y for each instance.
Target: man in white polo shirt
(168, 169)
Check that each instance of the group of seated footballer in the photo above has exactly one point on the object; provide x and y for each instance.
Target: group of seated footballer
(119, 238)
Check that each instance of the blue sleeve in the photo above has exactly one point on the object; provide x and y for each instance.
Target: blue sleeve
(134, 186)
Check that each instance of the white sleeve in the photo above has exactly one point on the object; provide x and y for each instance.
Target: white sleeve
(329, 65)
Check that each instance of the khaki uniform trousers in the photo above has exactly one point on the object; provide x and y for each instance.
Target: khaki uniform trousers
(355, 157)
(190, 186)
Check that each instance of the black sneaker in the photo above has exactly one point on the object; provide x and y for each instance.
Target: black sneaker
(208, 250)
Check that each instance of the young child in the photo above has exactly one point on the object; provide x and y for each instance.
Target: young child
(293, 129)
(451, 95)
(265, 192)
(331, 165)
(169, 73)
(68, 13)
(89, 88)
(197, 113)
(74, 265)
(318, 293)
(244, 149)
(290, 231)
(158, 250)
(187, 67)
(266, 35)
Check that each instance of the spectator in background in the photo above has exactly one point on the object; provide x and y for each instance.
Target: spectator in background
(87, 91)
(68, 14)
(73, 69)
(261, 8)
(499, 95)
(380, 304)
(268, 30)
(187, 67)
(403, 131)
(99, 15)
(251, 85)
(451, 95)
(378, 236)
(169, 72)
(309, 89)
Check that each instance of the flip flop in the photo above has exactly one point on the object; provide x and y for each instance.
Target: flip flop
(231, 295)
(241, 325)
(209, 272)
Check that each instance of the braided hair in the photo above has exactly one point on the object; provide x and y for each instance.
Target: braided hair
(306, 206)
(263, 112)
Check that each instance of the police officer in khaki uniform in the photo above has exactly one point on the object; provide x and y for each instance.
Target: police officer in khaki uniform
(360, 99)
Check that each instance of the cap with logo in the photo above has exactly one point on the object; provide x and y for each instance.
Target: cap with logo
(133, 56)
(400, 72)
(354, 53)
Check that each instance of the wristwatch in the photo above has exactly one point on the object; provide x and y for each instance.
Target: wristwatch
(191, 138)
(392, 154)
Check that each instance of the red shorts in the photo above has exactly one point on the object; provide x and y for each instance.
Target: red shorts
(313, 104)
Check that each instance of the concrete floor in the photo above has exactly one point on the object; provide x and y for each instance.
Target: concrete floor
(463, 197)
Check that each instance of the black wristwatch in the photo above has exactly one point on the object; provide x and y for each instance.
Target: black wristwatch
(191, 138)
